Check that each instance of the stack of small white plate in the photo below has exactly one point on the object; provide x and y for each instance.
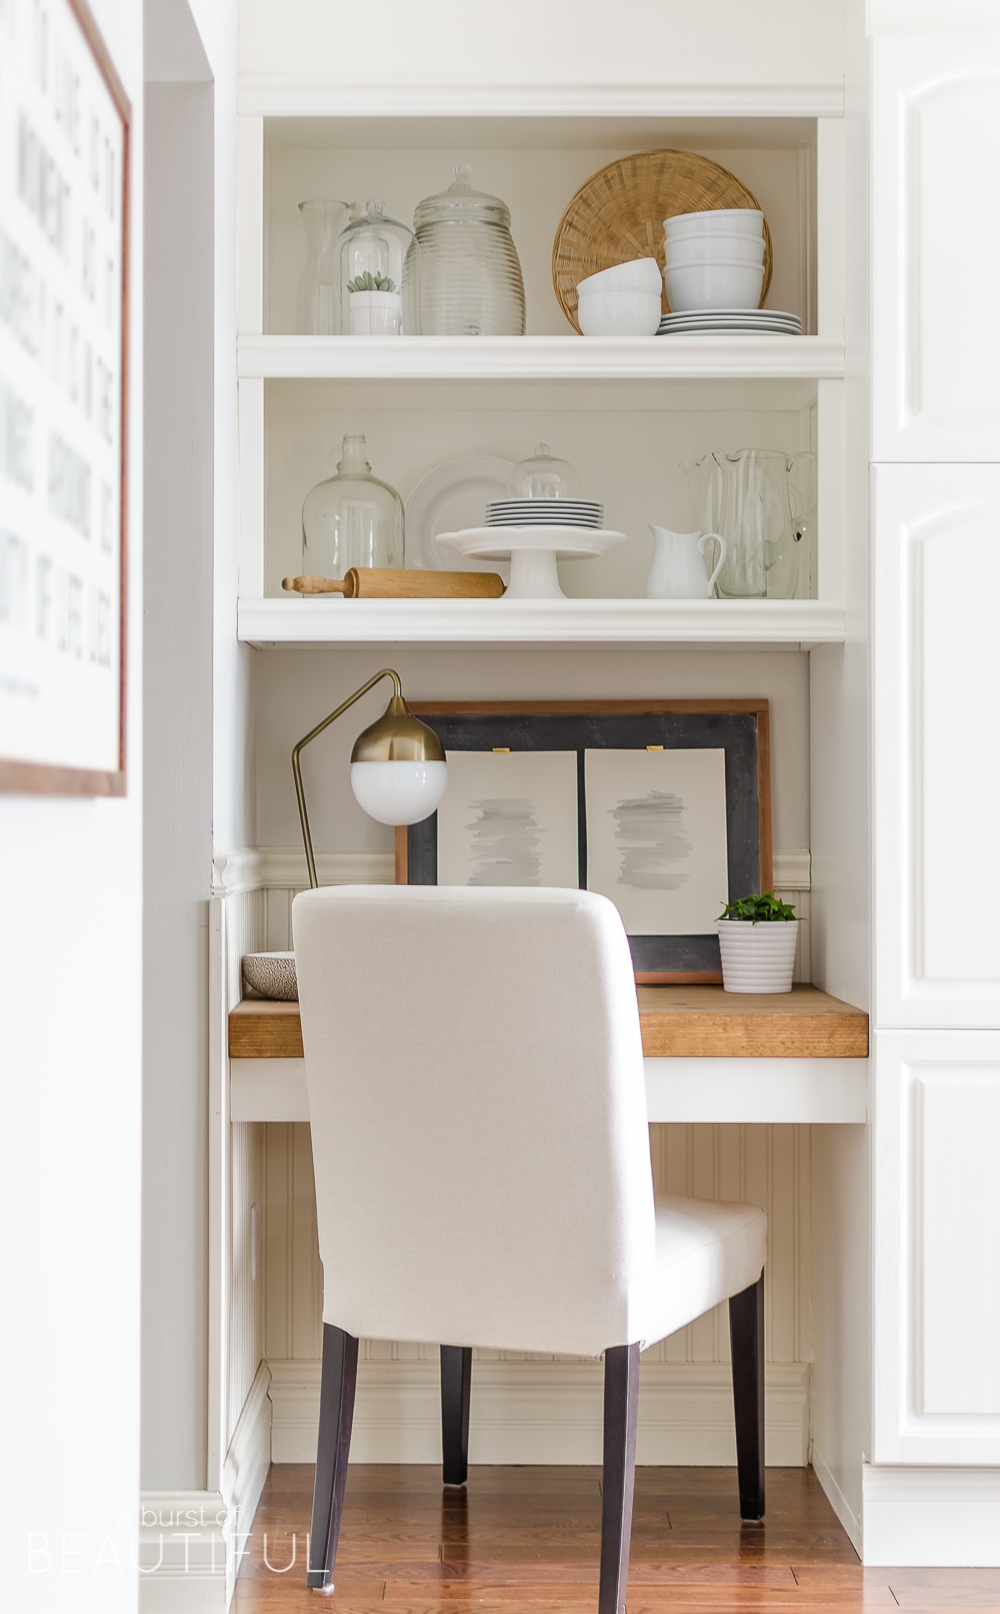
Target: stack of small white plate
(732, 320)
(545, 513)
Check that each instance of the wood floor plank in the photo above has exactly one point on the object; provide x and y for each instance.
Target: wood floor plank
(530, 1537)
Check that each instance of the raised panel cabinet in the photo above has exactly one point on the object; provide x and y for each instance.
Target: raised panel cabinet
(936, 744)
(935, 247)
(936, 1292)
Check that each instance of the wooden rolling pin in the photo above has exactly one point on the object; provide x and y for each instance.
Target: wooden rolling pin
(395, 583)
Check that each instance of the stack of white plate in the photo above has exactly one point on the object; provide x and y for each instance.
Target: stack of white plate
(544, 513)
(731, 320)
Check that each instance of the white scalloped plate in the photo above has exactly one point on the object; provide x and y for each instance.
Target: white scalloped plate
(451, 497)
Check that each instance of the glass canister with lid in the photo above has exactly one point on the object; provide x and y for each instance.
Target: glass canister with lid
(379, 275)
(351, 519)
(471, 282)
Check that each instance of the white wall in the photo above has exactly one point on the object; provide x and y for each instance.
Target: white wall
(70, 1000)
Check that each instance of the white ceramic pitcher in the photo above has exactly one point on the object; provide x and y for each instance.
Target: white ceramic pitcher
(679, 571)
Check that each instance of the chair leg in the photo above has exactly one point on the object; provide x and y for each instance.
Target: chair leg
(746, 1333)
(336, 1415)
(621, 1401)
(456, 1395)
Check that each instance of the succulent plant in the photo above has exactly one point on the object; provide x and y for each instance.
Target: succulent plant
(755, 908)
(369, 282)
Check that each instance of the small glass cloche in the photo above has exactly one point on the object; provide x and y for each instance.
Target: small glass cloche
(543, 476)
(379, 275)
(351, 519)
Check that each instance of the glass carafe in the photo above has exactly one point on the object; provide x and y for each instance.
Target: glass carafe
(750, 499)
(351, 519)
(471, 277)
(317, 302)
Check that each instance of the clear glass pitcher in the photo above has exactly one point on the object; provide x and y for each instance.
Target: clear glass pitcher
(317, 303)
(751, 499)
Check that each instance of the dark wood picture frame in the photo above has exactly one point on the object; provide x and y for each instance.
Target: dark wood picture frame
(52, 779)
(740, 727)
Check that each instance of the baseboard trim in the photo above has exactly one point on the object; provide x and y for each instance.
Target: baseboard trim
(945, 1518)
(539, 1412)
(837, 1499)
(191, 1542)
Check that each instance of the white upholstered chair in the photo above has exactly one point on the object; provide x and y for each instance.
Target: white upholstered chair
(474, 1070)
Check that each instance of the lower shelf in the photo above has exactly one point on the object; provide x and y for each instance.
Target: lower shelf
(326, 620)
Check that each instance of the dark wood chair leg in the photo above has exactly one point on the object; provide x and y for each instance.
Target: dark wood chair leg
(336, 1415)
(456, 1395)
(746, 1334)
(621, 1403)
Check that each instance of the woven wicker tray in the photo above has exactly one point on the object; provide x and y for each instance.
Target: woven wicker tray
(618, 213)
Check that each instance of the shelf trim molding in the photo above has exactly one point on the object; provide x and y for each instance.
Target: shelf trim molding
(540, 358)
(300, 95)
(321, 621)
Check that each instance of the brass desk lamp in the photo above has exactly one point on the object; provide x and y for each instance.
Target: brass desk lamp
(398, 765)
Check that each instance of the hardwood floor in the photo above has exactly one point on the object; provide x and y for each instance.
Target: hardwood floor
(530, 1537)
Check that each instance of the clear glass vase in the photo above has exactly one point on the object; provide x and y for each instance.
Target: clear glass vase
(317, 302)
(351, 519)
(471, 282)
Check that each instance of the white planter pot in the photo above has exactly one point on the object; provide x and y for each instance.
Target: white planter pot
(757, 958)
(376, 313)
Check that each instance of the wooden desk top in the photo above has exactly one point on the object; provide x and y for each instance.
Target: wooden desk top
(676, 1021)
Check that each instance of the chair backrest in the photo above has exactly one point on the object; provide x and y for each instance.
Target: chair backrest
(474, 1070)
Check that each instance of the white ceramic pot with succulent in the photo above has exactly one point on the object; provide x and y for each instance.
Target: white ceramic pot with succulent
(376, 305)
(757, 940)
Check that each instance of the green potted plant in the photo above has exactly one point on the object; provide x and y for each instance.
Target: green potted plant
(376, 305)
(757, 940)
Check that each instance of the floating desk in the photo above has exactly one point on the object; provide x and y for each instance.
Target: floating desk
(710, 1056)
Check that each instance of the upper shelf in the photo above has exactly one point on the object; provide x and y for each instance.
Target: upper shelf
(328, 620)
(548, 358)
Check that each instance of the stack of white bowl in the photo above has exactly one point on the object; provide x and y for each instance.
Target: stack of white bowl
(621, 301)
(714, 259)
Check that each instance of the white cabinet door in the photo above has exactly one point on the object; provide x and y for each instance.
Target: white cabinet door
(936, 1269)
(936, 745)
(935, 247)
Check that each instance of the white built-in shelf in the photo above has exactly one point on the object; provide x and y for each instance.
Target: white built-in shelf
(306, 622)
(542, 358)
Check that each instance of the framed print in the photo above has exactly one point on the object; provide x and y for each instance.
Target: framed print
(656, 837)
(509, 818)
(663, 789)
(64, 155)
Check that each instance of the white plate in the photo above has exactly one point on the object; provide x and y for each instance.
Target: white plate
(724, 313)
(453, 496)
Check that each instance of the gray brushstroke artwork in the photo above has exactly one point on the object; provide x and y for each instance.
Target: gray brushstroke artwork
(656, 837)
(652, 841)
(505, 840)
(509, 819)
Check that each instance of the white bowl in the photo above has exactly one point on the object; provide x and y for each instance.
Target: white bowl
(642, 274)
(620, 313)
(714, 249)
(714, 285)
(744, 220)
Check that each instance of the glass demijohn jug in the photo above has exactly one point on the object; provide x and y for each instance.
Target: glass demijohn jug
(471, 276)
(379, 275)
(352, 519)
(317, 304)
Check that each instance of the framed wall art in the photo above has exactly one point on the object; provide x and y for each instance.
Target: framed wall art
(64, 186)
(662, 806)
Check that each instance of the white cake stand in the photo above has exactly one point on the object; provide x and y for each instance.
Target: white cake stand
(533, 552)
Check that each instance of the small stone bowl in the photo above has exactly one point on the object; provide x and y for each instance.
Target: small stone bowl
(271, 975)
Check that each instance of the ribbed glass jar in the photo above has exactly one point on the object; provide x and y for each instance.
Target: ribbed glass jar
(471, 282)
(351, 519)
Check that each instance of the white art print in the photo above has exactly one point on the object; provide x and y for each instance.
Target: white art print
(63, 155)
(509, 819)
(656, 838)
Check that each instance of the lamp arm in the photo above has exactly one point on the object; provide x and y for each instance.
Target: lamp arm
(297, 750)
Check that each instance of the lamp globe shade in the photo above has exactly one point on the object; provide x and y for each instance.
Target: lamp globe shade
(398, 767)
(399, 792)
